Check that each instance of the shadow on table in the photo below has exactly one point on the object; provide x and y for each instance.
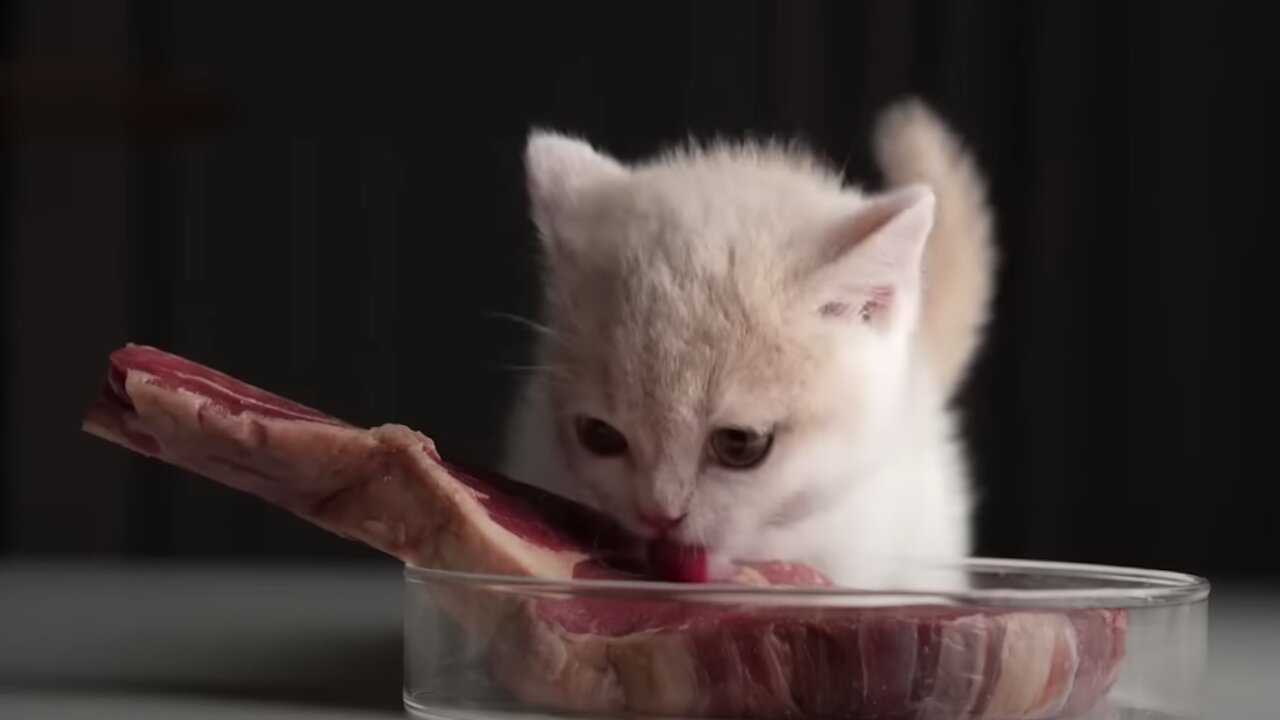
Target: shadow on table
(355, 674)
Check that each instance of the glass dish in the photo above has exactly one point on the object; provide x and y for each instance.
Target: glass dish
(1026, 640)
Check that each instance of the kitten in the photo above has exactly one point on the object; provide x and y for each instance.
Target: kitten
(741, 352)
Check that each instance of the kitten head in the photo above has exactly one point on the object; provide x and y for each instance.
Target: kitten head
(730, 330)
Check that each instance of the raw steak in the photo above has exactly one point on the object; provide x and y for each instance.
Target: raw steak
(388, 487)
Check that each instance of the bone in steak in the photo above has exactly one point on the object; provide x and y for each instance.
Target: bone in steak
(389, 488)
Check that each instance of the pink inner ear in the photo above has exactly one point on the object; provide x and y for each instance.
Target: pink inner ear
(874, 303)
(834, 309)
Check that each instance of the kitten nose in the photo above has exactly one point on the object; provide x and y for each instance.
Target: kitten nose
(659, 521)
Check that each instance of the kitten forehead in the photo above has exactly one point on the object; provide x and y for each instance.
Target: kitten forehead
(715, 209)
(665, 387)
(672, 346)
(680, 305)
(724, 190)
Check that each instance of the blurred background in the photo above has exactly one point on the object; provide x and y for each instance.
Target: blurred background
(326, 199)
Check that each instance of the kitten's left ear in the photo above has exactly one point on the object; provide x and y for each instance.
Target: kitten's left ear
(871, 266)
(560, 169)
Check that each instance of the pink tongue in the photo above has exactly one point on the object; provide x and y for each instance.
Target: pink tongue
(678, 563)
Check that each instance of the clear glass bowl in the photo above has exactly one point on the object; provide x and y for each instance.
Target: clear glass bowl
(1027, 640)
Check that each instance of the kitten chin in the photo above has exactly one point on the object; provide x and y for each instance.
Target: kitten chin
(744, 292)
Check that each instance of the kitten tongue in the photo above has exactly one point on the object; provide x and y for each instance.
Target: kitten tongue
(675, 562)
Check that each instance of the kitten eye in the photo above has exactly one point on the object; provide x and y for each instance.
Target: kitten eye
(599, 437)
(739, 449)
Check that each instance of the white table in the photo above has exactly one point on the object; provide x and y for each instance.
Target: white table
(273, 642)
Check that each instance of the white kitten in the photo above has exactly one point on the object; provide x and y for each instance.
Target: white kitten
(742, 352)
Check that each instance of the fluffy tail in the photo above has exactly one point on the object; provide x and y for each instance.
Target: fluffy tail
(913, 145)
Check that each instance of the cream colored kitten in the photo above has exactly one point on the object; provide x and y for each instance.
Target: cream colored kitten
(743, 353)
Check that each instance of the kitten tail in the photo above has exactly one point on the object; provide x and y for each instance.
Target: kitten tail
(912, 145)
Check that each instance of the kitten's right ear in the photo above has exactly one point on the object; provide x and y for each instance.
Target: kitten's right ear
(871, 266)
(560, 169)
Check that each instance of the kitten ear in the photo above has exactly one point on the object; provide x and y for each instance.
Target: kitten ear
(871, 267)
(559, 170)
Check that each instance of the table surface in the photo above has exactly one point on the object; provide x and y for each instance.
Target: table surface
(274, 642)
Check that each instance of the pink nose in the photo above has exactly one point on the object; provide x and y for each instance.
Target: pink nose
(659, 522)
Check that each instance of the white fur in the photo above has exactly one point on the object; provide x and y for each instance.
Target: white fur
(746, 286)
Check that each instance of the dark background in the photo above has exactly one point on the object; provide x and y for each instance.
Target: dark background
(326, 199)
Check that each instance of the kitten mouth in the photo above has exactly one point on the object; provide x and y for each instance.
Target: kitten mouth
(676, 562)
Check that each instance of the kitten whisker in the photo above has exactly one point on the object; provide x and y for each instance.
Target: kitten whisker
(530, 369)
(558, 377)
(540, 328)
